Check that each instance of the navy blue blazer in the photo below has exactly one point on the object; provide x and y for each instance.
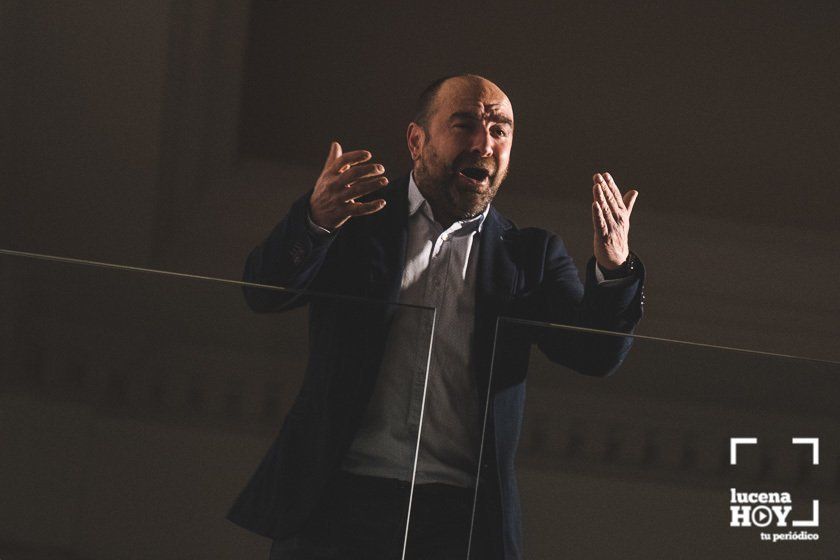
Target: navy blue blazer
(524, 273)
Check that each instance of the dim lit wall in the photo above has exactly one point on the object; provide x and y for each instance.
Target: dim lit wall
(175, 134)
(120, 117)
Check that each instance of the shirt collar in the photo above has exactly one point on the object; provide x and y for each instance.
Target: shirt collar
(416, 201)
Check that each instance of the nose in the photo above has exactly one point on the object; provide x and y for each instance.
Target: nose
(482, 143)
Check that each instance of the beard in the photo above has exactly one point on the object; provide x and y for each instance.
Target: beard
(442, 183)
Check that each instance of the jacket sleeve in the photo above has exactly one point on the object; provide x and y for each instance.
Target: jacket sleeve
(611, 306)
(289, 258)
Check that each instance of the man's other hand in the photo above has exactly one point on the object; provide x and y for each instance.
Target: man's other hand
(345, 178)
(611, 220)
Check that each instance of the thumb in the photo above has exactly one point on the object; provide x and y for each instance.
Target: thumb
(334, 154)
(630, 199)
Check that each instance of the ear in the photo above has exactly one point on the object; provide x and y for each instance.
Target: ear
(415, 136)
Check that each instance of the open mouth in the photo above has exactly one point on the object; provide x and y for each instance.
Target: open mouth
(477, 174)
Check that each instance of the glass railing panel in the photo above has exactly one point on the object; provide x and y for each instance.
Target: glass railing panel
(137, 407)
(645, 461)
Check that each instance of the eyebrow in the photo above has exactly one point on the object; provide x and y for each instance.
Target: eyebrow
(495, 117)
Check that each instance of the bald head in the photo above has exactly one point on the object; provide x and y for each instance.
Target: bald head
(459, 85)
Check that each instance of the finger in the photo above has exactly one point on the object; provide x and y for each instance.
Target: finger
(360, 172)
(615, 192)
(607, 208)
(365, 208)
(333, 154)
(612, 225)
(598, 222)
(630, 200)
(609, 197)
(347, 160)
(363, 187)
(596, 190)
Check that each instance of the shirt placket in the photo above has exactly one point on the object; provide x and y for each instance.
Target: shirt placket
(435, 285)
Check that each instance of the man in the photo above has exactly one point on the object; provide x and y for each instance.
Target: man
(333, 484)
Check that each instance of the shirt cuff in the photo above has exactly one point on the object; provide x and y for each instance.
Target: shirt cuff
(315, 229)
(615, 282)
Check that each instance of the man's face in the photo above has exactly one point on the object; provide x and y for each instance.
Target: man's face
(464, 154)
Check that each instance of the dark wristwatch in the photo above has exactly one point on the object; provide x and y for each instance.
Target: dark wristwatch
(627, 268)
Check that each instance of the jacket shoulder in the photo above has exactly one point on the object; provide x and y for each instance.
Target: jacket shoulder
(525, 235)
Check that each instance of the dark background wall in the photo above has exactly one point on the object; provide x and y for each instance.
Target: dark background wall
(721, 115)
(713, 109)
(175, 134)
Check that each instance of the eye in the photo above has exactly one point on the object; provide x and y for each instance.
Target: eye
(500, 131)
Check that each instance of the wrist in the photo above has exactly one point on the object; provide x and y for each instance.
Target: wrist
(627, 268)
(315, 227)
(316, 219)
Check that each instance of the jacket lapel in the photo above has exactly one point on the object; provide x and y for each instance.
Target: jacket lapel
(495, 282)
(382, 247)
(388, 235)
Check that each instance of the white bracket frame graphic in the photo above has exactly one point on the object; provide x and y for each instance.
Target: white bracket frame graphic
(815, 517)
(733, 447)
(815, 447)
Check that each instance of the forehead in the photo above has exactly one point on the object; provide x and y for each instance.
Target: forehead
(472, 95)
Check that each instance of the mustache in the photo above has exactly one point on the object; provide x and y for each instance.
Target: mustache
(466, 161)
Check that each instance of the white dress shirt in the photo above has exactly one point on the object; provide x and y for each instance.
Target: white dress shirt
(440, 272)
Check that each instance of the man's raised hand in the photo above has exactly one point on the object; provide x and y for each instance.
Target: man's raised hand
(611, 221)
(345, 178)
